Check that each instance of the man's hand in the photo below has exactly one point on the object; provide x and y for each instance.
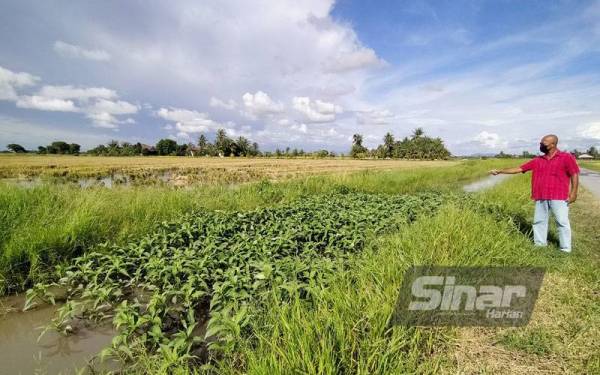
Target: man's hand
(572, 198)
(495, 172)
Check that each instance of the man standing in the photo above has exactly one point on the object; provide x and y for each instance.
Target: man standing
(553, 172)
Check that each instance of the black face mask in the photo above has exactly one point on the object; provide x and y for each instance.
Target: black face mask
(543, 148)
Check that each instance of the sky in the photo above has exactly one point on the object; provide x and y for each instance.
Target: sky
(485, 76)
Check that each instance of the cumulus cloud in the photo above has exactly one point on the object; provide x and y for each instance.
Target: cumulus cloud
(317, 110)
(491, 140)
(591, 130)
(99, 104)
(218, 103)
(43, 103)
(187, 121)
(73, 51)
(260, 104)
(11, 81)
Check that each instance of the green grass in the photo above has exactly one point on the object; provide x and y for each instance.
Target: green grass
(531, 341)
(44, 226)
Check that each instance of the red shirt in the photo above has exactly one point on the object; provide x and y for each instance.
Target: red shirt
(551, 176)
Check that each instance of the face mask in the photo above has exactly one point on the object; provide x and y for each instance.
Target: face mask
(543, 148)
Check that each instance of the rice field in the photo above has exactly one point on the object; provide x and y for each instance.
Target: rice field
(190, 170)
(300, 275)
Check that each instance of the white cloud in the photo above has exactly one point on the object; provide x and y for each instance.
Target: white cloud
(375, 117)
(102, 112)
(358, 59)
(98, 104)
(316, 111)
(118, 107)
(103, 120)
(188, 121)
(80, 93)
(74, 51)
(300, 128)
(216, 102)
(591, 130)
(10, 81)
(43, 103)
(89, 101)
(260, 104)
(491, 140)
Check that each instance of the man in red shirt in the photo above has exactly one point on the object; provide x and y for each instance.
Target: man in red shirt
(554, 185)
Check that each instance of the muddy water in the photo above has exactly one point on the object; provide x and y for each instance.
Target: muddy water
(22, 353)
(485, 183)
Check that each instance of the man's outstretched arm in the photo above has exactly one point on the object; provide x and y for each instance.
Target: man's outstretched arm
(506, 171)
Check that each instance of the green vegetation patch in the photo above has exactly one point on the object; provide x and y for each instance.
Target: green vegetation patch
(208, 271)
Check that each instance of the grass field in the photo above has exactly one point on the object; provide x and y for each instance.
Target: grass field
(301, 276)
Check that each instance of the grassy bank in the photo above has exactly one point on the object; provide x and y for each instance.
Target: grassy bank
(45, 225)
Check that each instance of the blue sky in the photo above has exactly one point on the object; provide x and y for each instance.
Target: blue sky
(483, 75)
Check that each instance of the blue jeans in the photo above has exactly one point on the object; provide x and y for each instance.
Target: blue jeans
(560, 210)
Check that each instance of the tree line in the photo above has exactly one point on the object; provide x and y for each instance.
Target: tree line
(58, 147)
(223, 145)
(417, 146)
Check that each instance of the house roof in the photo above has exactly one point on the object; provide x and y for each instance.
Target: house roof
(585, 156)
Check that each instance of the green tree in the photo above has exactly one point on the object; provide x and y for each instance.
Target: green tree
(418, 132)
(166, 147)
(16, 148)
(358, 150)
(243, 146)
(223, 142)
(74, 149)
(388, 144)
(202, 145)
(58, 147)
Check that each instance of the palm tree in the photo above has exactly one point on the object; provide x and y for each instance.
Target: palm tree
(418, 132)
(388, 143)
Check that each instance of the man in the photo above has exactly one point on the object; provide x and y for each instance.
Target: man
(553, 172)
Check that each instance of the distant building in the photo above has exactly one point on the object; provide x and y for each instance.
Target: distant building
(585, 157)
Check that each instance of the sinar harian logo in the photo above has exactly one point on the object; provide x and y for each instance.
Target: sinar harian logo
(468, 296)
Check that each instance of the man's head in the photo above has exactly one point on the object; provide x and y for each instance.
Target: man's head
(548, 143)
